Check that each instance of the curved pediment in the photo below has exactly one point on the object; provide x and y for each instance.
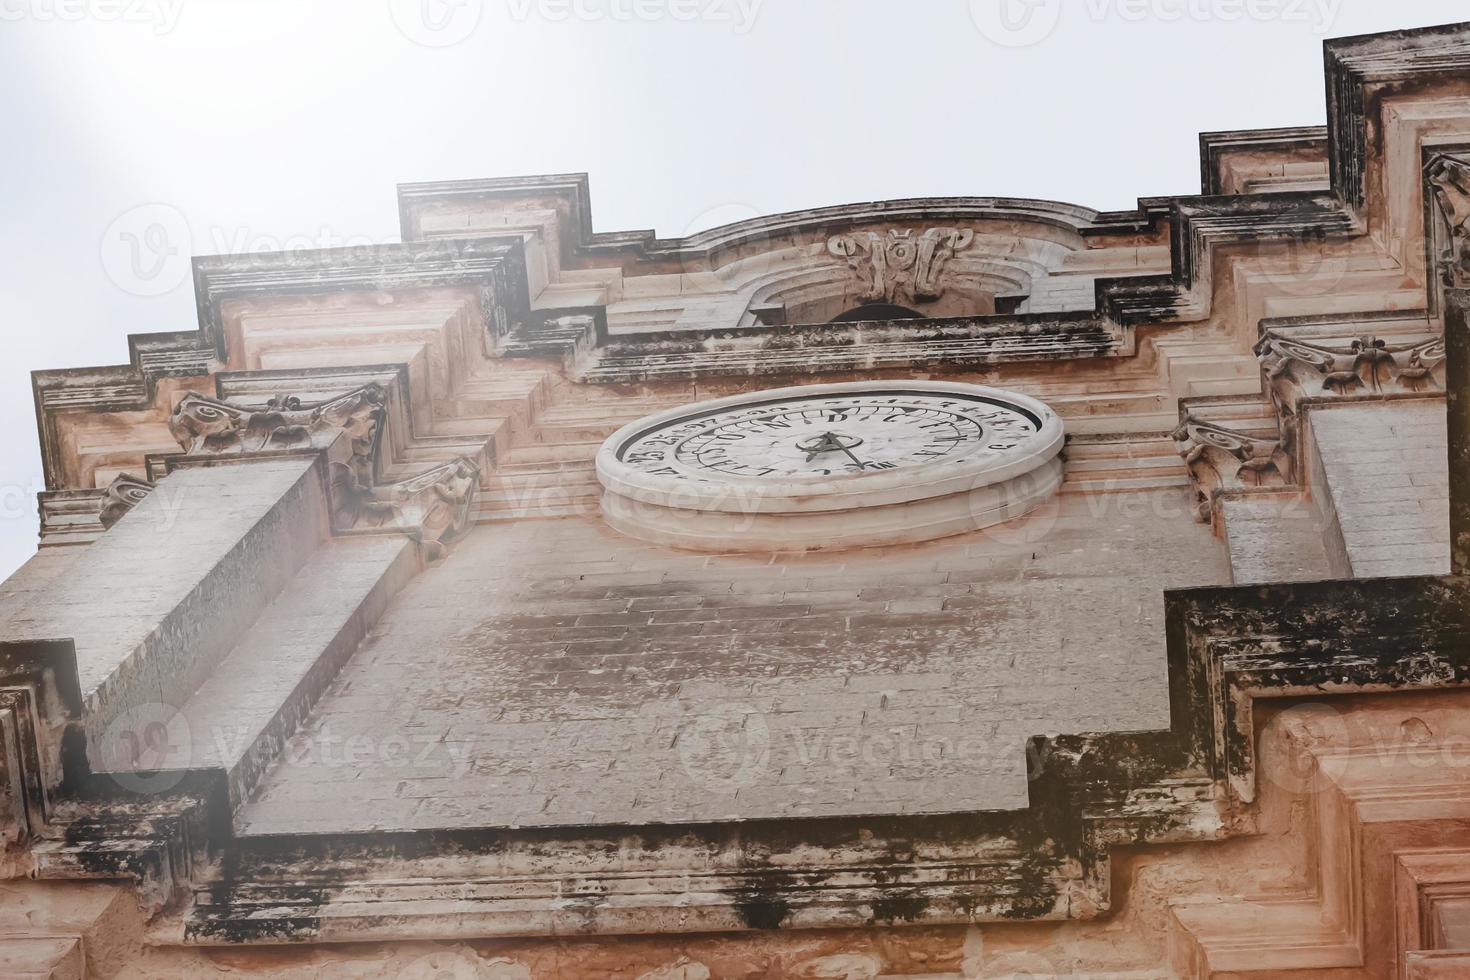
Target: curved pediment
(941, 257)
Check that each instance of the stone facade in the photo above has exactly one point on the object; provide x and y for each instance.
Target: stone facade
(329, 664)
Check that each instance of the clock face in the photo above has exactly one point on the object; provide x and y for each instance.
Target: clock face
(825, 436)
(830, 447)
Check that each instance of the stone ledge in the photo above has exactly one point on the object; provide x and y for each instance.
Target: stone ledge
(1228, 649)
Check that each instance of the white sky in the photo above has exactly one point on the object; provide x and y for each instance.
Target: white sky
(238, 125)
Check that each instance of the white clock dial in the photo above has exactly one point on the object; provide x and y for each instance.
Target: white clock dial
(821, 437)
(831, 466)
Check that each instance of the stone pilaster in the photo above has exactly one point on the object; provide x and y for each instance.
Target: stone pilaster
(1457, 389)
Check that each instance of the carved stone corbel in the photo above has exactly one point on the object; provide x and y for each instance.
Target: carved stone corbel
(1296, 370)
(209, 427)
(123, 494)
(434, 506)
(898, 267)
(1220, 458)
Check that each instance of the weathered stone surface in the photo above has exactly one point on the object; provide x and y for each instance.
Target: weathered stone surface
(1275, 538)
(552, 673)
(558, 732)
(1388, 484)
(216, 543)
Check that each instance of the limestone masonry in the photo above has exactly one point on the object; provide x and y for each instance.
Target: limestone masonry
(335, 659)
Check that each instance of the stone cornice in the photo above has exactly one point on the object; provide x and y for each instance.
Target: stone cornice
(582, 240)
(124, 387)
(1360, 70)
(1228, 648)
(496, 267)
(806, 350)
(1090, 792)
(1215, 147)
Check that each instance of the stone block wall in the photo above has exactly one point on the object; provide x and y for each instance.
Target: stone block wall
(555, 673)
(154, 605)
(1387, 485)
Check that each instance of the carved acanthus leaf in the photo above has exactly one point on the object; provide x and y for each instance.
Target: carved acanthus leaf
(898, 267)
(433, 506)
(208, 426)
(123, 494)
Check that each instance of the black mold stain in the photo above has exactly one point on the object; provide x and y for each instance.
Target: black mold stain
(899, 908)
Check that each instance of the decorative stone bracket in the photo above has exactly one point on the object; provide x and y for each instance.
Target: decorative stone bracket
(1239, 443)
(1296, 370)
(434, 506)
(1231, 456)
(898, 267)
(210, 427)
(124, 493)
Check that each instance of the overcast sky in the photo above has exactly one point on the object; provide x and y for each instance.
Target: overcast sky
(138, 132)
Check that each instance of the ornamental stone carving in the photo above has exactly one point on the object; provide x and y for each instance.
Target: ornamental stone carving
(207, 426)
(434, 506)
(124, 493)
(899, 267)
(1221, 458)
(1449, 186)
(1297, 370)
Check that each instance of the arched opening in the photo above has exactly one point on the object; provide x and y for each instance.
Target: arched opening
(878, 311)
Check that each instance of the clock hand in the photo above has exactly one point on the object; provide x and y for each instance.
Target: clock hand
(826, 443)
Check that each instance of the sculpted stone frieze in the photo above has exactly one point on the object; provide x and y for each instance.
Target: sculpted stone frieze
(899, 267)
(434, 506)
(208, 427)
(124, 493)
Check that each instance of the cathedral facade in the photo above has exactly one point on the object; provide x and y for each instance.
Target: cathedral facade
(941, 588)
